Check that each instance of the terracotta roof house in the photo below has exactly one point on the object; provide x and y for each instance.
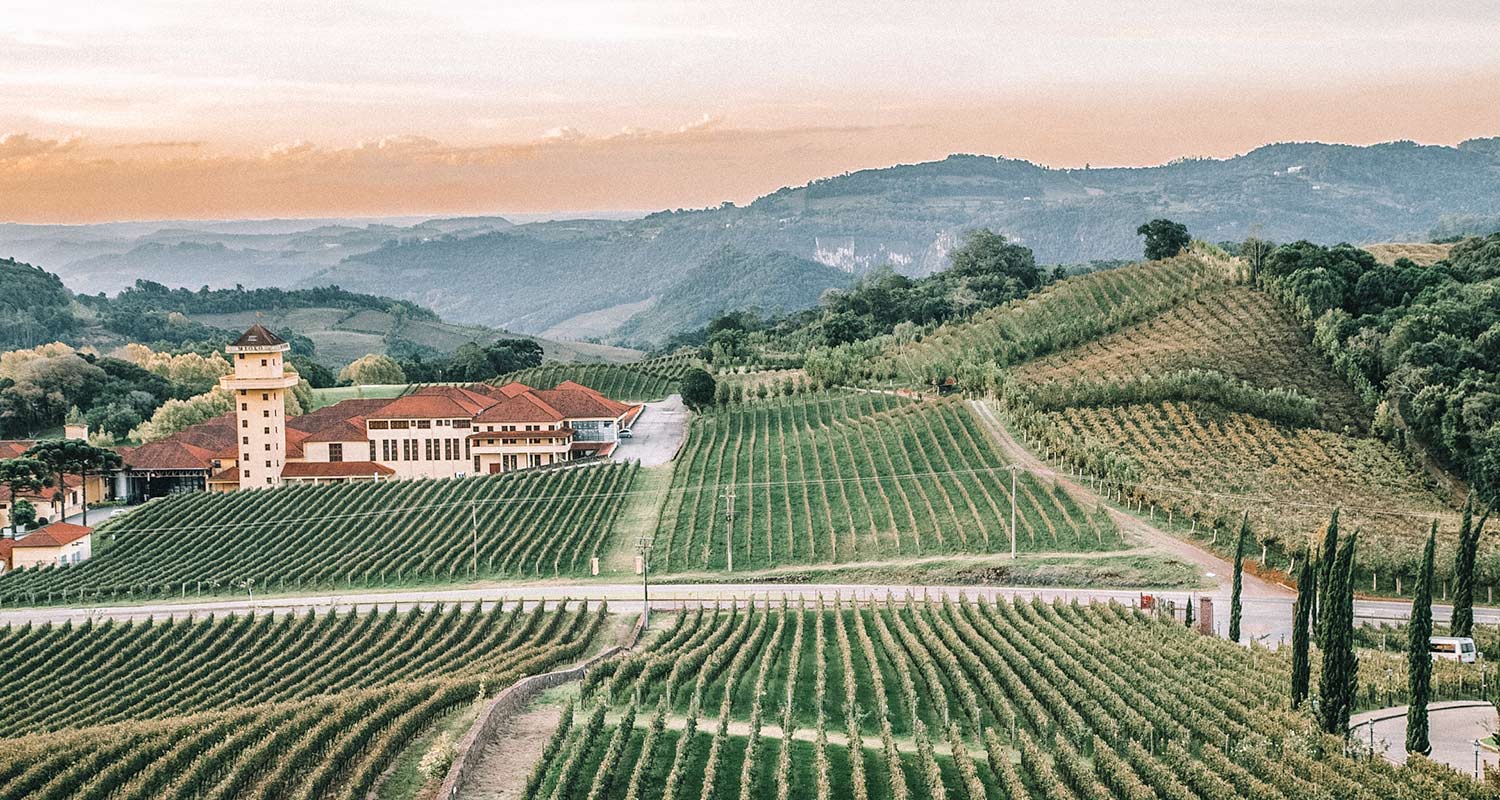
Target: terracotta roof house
(58, 544)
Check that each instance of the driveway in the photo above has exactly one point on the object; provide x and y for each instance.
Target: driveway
(658, 433)
(1452, 729)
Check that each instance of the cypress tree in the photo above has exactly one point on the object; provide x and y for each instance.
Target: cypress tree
(1340, 679)
(1239, 579)
(1419, 653)
(1463, 571)
(1301, 633)
(1187, 619)
(1325, 571)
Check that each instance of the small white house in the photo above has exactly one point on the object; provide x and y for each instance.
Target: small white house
(55, 545)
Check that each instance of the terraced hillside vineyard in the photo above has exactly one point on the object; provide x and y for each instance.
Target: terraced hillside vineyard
(1063, 315)
(358, 534)
(918, 700)
(307, 707)
(1235, 330)
(855, 476)
(1210, 464)
(633, 382)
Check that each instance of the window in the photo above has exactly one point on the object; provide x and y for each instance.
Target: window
(476, 465)
(460, 423)
(265, 395)
(379, 425)
(400, 424)
(265, 412)
(263, 362)
(244, 423)
(336, 451)
(244, 406)
(466, 452)
(245, 457)
(268, 480)
(247, 473)
(429, 450)
(424, 424)
(242, 358)
(268, 463)
(244, 440)
(268, 445)
(372, 449)
(268, 430)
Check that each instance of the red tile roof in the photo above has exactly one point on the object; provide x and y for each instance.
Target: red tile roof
(526, 407)
(55, 535)
(169, 453)
(334, 469)
(352, 430)
(582, 403)
(511, 389)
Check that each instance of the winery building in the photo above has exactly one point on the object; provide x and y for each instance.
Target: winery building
(430, 432)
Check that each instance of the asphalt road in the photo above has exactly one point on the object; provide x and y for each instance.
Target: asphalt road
(657, 433)
(1268, 620)
(1452, 729)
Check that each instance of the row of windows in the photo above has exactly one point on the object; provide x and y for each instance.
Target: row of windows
(420, 424)
(416, 450)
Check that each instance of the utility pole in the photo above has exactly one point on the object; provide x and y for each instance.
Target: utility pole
(728, 496)
(474, 528)
(643, 546)
(1013, 469)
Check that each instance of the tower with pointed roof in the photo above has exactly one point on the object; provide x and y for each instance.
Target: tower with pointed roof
(259, 387)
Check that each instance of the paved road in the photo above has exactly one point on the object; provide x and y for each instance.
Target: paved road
(1268, 620)
(1452, 729)
(657, 433)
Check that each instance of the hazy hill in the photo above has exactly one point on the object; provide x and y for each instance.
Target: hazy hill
(909, 216)
(733, 280)
(37, 308)
(590, 277)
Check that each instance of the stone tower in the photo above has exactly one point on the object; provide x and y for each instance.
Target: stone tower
(259, 390)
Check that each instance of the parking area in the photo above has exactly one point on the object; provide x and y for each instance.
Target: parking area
(658, 432)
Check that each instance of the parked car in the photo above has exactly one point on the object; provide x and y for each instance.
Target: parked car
(1452, 648)
(625, 434)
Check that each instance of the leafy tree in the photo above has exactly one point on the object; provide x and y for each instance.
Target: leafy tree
(1307, 591)
(1239, 579)
(23, 476)
(1462, 621)
(174, 415)
(1339, 682)
(991, 270)
(371, 369)
(22, 515)
(1419, 653)
(70, 456)
(698, 388)
(1164, 238)
(316, 375)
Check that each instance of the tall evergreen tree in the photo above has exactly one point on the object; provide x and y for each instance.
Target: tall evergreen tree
(1325, 570)
(1463, 572)
(1340, 679)
(1419, 653)
(1301, 630)
(1239, 579)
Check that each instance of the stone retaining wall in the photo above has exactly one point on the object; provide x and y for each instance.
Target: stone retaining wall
(511, 700)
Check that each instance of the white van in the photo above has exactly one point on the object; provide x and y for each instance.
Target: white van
(1452, 648)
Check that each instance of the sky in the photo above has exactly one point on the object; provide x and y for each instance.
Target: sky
(182, 110)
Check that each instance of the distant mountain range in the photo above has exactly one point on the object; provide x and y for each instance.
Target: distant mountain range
(638, 280)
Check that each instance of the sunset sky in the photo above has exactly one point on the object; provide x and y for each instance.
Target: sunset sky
(152, 110)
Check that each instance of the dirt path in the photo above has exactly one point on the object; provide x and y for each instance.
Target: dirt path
(507, 760)
(1131, 526)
